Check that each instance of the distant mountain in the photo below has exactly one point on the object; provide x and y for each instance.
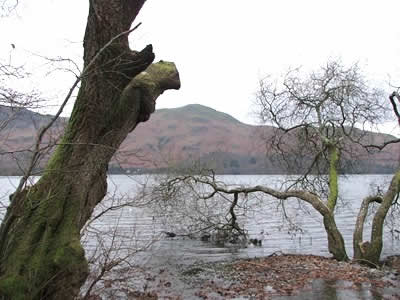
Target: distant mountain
(199, 134)
(192, 133)
(180, 137)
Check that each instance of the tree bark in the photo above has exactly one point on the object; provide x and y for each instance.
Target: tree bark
(370, 251)
(40, 252)
(336, 243)
(334, 157)
(358, 244)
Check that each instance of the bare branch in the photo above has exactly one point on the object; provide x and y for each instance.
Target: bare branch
(394, 105)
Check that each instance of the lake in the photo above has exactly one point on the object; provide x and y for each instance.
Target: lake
(140, 229)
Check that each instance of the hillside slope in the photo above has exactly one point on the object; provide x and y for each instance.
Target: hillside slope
(178, 137)
(193, 133)
(18, 131)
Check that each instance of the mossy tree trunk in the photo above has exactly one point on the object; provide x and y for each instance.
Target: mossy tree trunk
(40, 252)
(336, 243)
(370, 251)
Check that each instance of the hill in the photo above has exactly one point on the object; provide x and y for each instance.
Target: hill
(195, 133)
(18, 130)
(178, 137)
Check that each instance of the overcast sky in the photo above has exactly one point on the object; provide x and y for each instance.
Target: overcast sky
(221, 47)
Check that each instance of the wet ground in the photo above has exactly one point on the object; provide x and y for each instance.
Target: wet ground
(321, 289)
(278, 276)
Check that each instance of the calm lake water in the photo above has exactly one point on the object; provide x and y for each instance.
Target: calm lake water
(141, 228)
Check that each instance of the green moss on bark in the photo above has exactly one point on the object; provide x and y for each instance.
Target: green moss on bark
(333, 177)
(336, 243)
(13, 285)
(44, 245)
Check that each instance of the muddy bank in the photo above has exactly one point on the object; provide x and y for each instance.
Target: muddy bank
(278, 276)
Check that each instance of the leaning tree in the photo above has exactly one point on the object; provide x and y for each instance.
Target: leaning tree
(320, 121)
(41, 256)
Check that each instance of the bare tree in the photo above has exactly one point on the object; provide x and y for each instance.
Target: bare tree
(320, 120)
(316, 115)
(326, 114)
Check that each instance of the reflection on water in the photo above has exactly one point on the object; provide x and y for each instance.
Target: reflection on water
(321, 289)
(139, 228)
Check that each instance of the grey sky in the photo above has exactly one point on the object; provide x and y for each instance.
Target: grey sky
(222, 48)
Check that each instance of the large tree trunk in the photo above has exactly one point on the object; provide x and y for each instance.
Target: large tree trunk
(40, 252)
